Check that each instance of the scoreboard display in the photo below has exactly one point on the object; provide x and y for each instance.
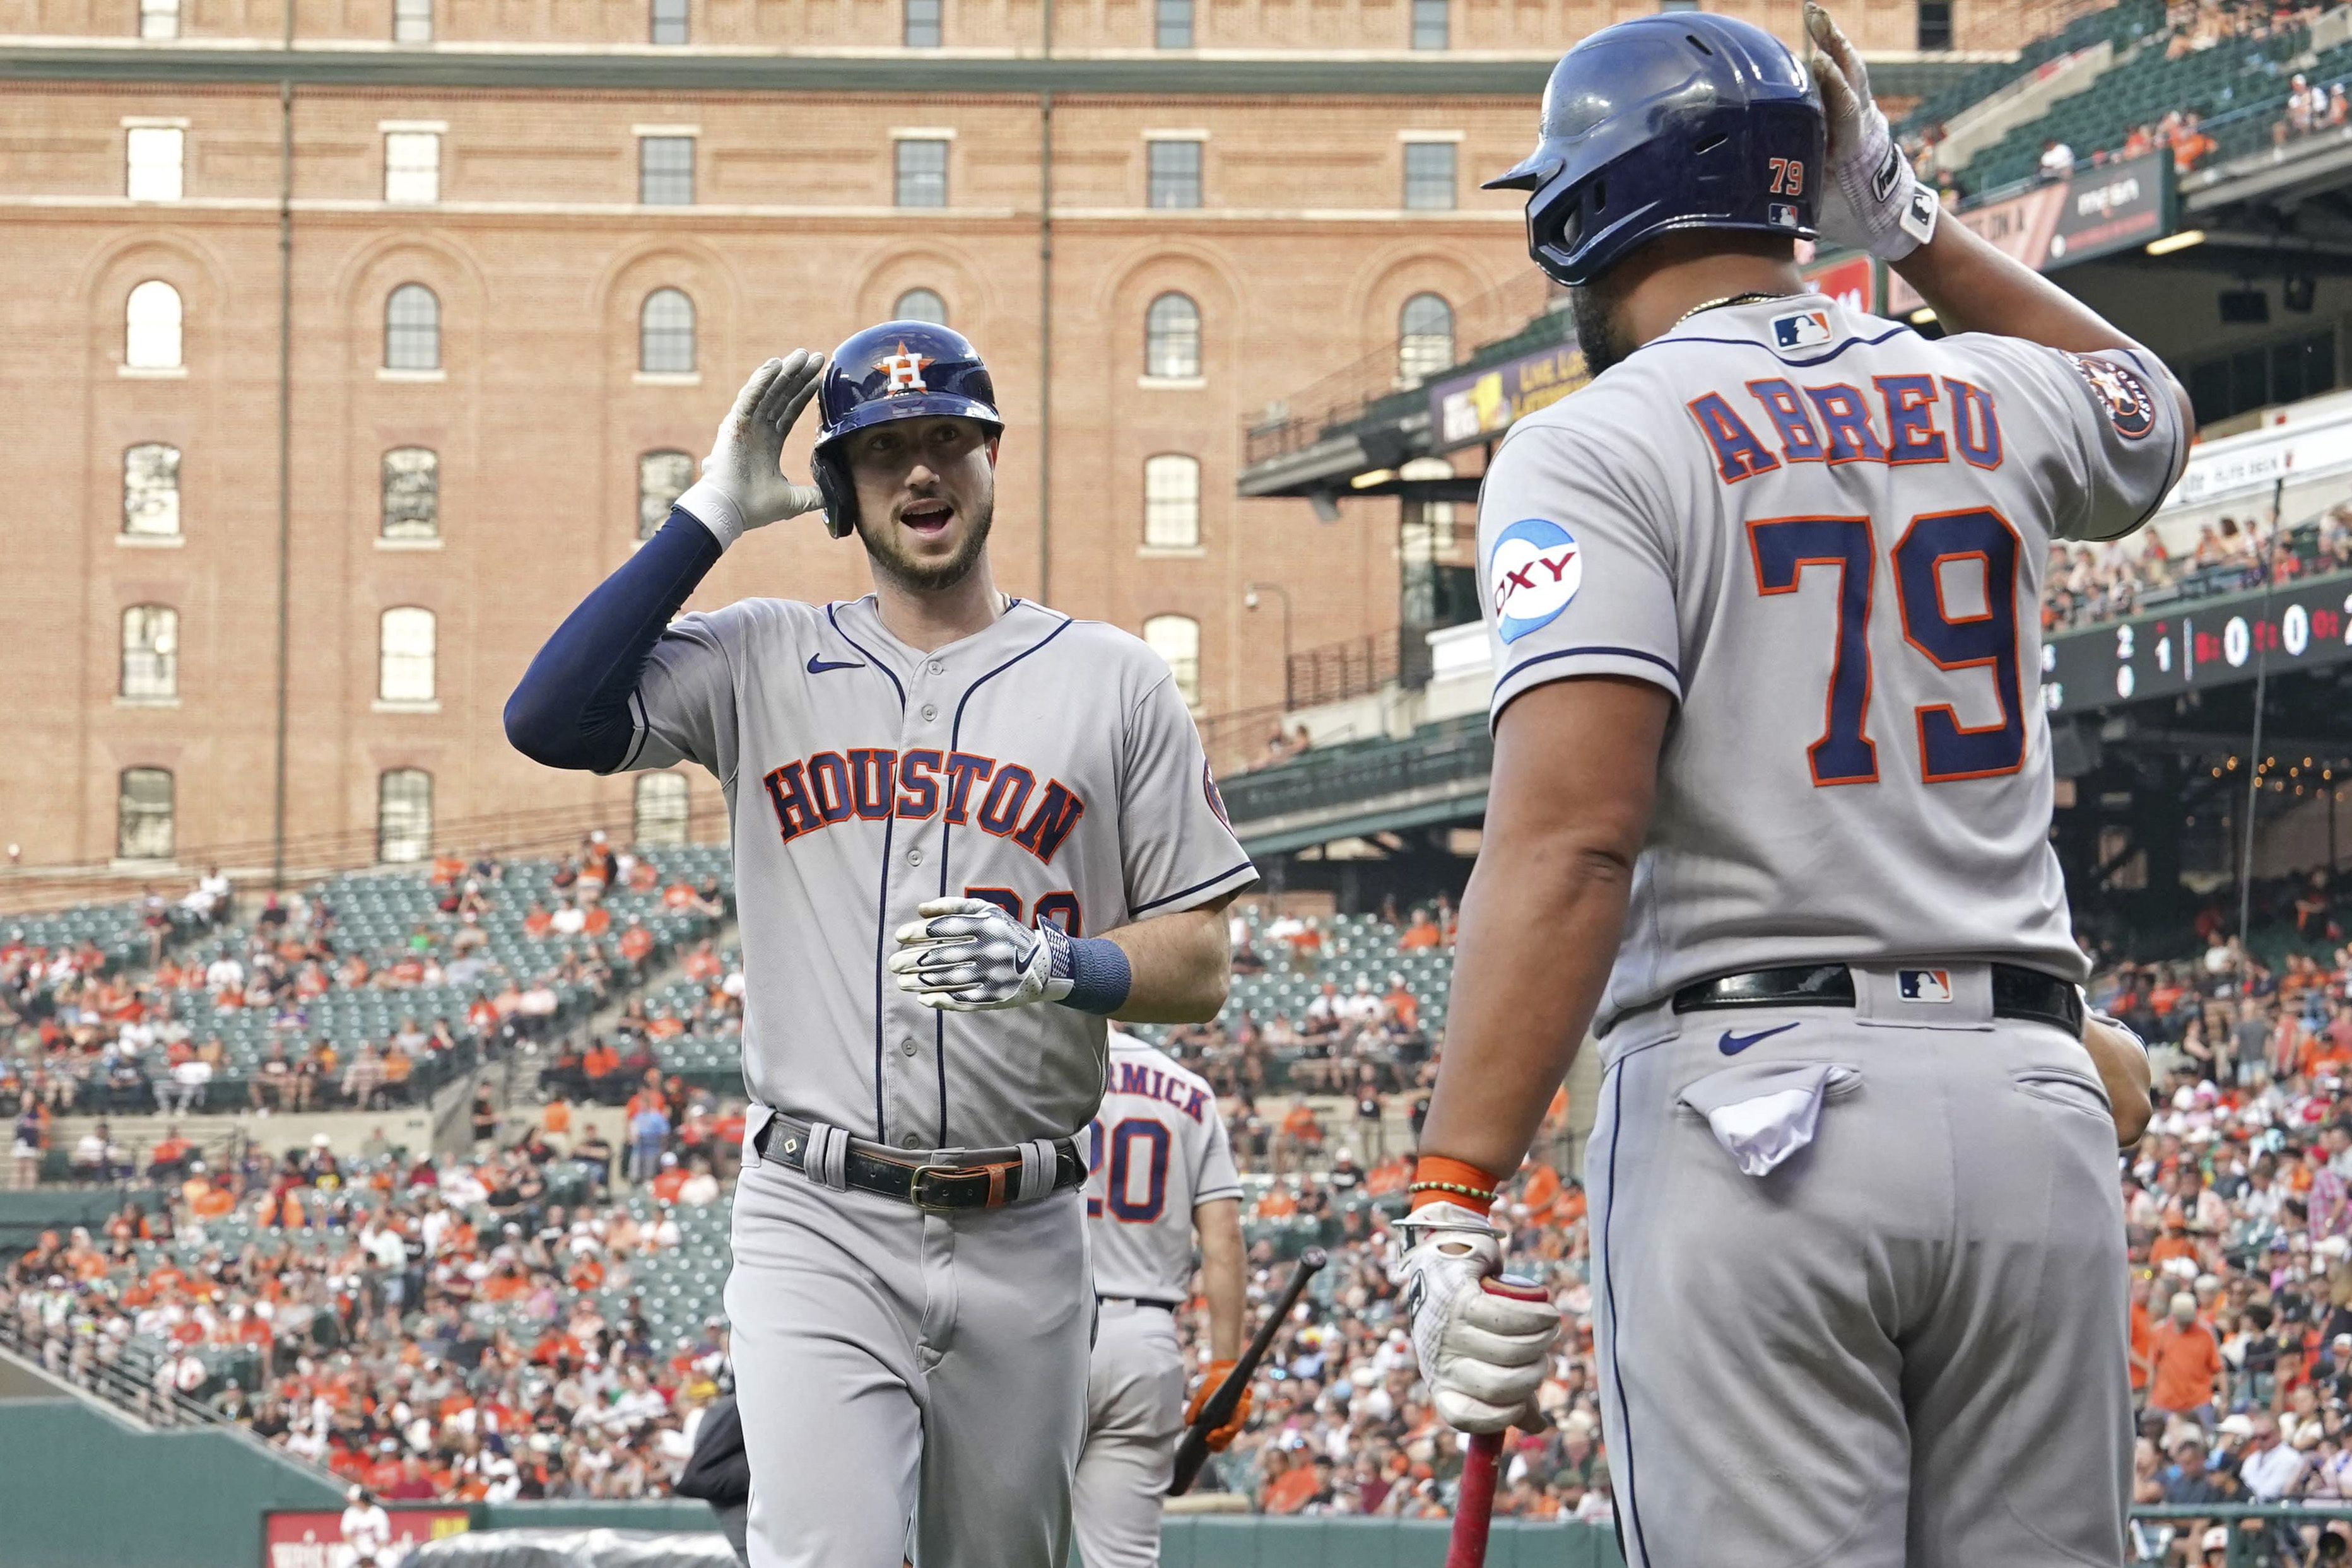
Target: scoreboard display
(2197, 644)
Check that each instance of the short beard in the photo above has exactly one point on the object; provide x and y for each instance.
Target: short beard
(882, 549)
(1598, 331)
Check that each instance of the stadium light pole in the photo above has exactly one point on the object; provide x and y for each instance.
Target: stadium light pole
(1249, 602)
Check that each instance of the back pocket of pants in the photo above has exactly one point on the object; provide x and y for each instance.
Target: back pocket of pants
(2074, 1091)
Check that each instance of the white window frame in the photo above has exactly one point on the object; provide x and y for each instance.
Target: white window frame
(411, 165)
(124, 846)
(150, 654)
(412, 21)
(165, 495)
(151, 330)
(899, 305)
(661, 811)
(407, 675)
(649, 519)
(159, 18)
(1184, 665)
(1157, 368)
(412, 836)
(1172, 501)
(154, 163)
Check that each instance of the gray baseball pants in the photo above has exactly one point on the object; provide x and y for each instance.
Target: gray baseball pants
(1135, 1414)
(1902, 1347)
(908, 1381)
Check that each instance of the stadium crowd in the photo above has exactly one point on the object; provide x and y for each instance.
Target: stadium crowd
(454, 1329)
(2089, 583)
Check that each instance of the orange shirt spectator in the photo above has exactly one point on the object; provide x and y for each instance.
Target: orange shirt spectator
(1292, 1490)
(677, 895)
(1279, 1203)
(447, 869)
(1421, 933)
(1298, 1123)
(601, 1061)
(2187, 1362)
(599, 920)
(663, 1026)
(556, 1120)
(2143, 1345)
(537, 921)
(667, 1183)
(636, 943)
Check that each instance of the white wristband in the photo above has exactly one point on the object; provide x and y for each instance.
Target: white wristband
(715, 509)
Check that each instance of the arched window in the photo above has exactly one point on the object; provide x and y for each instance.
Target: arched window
(405, 640)
(412, 494)
(1171, 337)
(920, 304)
(1424, 338)
(666, 334)
(150, 652)
(1177, 639)
(403, 815)
(151, 490)
(662, 478)
(1172, 501)
(143, 815)
(661, 810)
(412, 329)
(151, 336)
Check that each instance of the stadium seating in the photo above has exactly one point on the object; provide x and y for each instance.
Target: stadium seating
(2120, 25)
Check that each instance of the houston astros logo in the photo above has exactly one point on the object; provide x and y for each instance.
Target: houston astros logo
(904, 371)
(1534, 570)
(2130, 407)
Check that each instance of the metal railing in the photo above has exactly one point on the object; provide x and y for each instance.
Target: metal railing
(1339, 671)
(1439, 754)
(121, 1376)
(2260, 1535)
(1345, 395)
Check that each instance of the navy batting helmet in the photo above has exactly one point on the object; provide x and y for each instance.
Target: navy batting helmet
(1683, 119)
(900, 370)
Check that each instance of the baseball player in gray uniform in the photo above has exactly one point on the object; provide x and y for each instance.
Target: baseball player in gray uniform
(967, 830)
(1159, 1170)
(1770, 807)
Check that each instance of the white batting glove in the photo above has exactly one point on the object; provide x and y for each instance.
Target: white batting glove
(1482, 1355)
(1873, 201)
(967, 956)
(742, 484)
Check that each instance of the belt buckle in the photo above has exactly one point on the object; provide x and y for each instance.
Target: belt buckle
(997, 1196)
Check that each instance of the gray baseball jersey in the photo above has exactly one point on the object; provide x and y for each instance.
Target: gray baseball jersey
(1045, 764)
(1825, 536)
(1157, 1152)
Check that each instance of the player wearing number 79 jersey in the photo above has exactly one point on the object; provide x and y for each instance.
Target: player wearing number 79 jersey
(1159, 1170)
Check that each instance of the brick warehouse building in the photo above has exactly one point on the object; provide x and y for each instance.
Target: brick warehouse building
(526, 251)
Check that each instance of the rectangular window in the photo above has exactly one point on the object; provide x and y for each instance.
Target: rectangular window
(159, 18)
(666, 171)
(1934, 24)
(412, 21)
(1677, 4)
(1429, 176)
(412, 167)
(922, 173)
(412, 494)
(143, 820)
(1175, 174)
(922, 24)
(154, 155)
(1173, 23)
(2282, 370)
(669, 21)
(1430, 29)
(403, 815)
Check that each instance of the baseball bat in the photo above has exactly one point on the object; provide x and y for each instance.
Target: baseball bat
(1194, 1451)
(1474, 1501)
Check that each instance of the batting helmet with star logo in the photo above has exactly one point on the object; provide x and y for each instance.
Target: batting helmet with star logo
(899, 370)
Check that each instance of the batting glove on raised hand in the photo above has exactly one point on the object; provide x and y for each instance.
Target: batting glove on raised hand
(1482, 1352)
(742, 484)
(969, 955)
(1873, 201)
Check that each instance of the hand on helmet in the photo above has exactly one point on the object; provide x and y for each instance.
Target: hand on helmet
(967, 956)
(742, 484)
(1873, 201)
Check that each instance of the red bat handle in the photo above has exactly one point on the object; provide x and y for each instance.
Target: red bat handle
(1474, 1507)
(1474, 1503)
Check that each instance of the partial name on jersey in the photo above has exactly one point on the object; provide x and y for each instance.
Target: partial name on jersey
(1537, 570)
(1141, 1078)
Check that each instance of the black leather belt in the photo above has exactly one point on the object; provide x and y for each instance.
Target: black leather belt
(2027, 995)
(975, 1178)
(1136, 1301)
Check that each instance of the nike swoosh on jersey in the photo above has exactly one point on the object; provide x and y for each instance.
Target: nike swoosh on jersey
(1733, 1044)
(817, 666)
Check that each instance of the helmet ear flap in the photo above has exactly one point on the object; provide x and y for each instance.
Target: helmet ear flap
(832, 476)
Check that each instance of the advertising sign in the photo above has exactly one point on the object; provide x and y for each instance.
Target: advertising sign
(2095, 212)
(1463, 408)
(1853, 283)
(302, 1538)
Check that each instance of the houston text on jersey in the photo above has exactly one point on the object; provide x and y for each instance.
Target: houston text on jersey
(875, 782)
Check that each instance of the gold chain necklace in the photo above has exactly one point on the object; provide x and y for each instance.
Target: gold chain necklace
(1752, 297)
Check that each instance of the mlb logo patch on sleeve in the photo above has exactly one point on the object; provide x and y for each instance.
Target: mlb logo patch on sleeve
(1924, 985)
(1800, 329)
(1534, 570)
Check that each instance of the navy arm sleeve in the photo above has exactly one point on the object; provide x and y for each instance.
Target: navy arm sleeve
(572, 710)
